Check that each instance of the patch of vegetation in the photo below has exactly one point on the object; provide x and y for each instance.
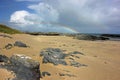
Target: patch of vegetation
(8, 30)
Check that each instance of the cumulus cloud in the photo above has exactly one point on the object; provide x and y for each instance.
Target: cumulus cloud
(46, 12)
(90, 15)
(44, 19)
(82, 15)
(20, 17)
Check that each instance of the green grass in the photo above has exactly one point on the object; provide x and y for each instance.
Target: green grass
(8, 30)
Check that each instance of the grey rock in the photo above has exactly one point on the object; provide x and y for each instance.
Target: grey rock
(8, 46)
(54, 56)
(69, 75)
(76, 64)
(76, 52)
(4, 58)
(23, 60)
(20, 44)
(73, 54)
(24, 68)
(55, 61)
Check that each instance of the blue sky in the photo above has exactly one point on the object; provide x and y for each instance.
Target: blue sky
(84, 16)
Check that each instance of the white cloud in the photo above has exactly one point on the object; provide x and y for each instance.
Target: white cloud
(20, 17)
(47, 12)
(43, 13)
(44, 19)
(96, 15)
(83, 15)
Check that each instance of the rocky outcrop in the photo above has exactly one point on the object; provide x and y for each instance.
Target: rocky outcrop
(54, 56)
(111, 35)
(24, 67)
(90, 37)
(57, 56)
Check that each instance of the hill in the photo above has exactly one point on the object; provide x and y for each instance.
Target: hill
(8, 30)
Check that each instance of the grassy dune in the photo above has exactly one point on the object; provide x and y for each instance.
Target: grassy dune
(8, 30)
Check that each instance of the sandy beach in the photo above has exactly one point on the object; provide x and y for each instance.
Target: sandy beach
(101, 57)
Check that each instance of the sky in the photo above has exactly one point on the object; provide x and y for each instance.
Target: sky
(69, 16)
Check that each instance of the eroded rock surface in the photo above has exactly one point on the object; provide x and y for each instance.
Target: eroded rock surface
(24, 67)
(57, 56)
(54, 56)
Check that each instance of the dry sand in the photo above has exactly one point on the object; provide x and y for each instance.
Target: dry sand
(5, 75)
(102, 57)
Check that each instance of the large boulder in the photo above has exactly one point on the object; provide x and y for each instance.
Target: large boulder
(54, 56)
(20, 44)
(24, 67)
